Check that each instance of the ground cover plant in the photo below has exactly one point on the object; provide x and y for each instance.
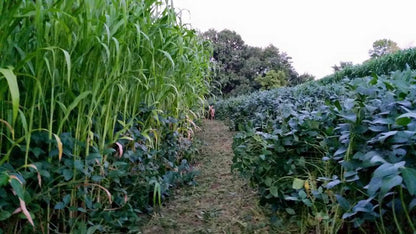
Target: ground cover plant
(97, 102)
(332, 158)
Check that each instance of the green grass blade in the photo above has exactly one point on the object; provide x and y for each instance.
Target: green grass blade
(13, 88)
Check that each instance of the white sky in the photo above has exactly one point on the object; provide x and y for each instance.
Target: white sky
(317, 34)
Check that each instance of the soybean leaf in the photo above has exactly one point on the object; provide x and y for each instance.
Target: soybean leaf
(67, 199)
(343, 202)
(4, 214)
(407, 115)
(67, 174)
(350, 117)
(298, 183)
(97, 178)
(274, 191)
(290, 211)
(333, 184)
(4, 178)
(79, 165)
(390, 182)
(404, 121)
(383, 136)
(59, 206)
(337, 105)
(387, 169)
(374, 185)
(409, 177)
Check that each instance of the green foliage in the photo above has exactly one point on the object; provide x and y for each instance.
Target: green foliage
(95, 100)
(341, 66)
(350, 143)
(383, 47)
(272, 79)
(381, 66)
(237, 65)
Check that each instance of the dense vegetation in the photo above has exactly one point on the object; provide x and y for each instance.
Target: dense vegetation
(240, 68)
(333, 155)
(97, 102)
(383, 65)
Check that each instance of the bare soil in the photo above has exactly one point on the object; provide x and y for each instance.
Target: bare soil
(222, 202)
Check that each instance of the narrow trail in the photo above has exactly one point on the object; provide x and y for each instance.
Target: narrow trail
(222, 202)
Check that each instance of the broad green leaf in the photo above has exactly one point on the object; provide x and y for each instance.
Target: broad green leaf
(350, 117)
(298, 183)
(274, 191)
(388, 85)
(404, 121)
(290, 211)
(343, 202)
(59, 206)
(374, 80)
(307, 202)
(302, 194)
(4, 179)
(390, 182)
(268, 181)
(13, 88)
(17, 186)
(383, 136)
(80, 209)
(93, 229)
(333, 184)
(409, 177)
(79, 165)
(97, 178)
(67, 174)
(388, 169)
(4, 214)
(67, 199)
(405, 118)
(337, 105)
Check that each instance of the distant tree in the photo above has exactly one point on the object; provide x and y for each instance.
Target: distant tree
(301, 79)
(237, 65)
(272, 79)
(383, 47)
(341, 66)
(228, 50)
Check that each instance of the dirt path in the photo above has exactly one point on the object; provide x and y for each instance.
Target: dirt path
(221, 202)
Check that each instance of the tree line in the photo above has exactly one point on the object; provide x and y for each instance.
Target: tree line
(240, 68)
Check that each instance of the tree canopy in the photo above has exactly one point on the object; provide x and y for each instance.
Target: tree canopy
(341, 66)
(383, 47)
(239, 68)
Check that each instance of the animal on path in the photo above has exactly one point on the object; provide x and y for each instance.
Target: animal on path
(211, 112)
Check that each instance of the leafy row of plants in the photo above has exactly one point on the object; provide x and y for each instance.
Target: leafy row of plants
(97, 102)
(382, 65)
(338, 157)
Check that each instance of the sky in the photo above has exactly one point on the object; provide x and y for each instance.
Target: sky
(317, 34)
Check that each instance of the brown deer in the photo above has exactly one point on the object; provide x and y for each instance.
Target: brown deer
(211, 112)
